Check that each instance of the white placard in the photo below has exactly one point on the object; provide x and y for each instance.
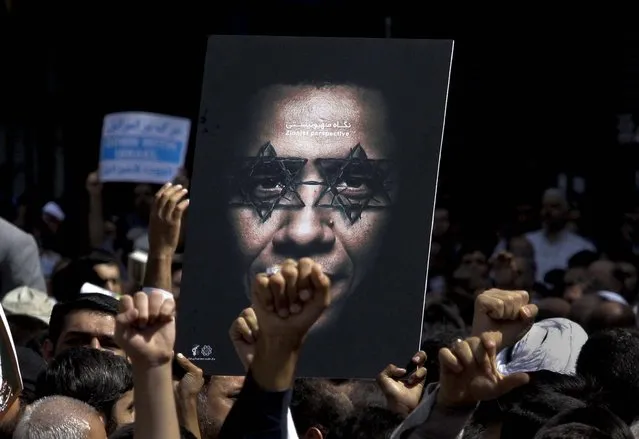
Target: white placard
(142, 147)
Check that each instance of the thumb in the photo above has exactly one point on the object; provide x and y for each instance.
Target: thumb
(390, 374)
(393, 371)
(529, 312)
(513, 381)
(186, 364)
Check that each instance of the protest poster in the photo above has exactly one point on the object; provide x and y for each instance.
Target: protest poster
(330, 152)
(9, 368)
(142, 147)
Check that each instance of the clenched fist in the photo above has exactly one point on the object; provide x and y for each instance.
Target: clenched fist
(288, 302)
(505, 316)
(145, 328)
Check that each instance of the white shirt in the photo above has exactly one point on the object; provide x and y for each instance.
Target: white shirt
(555, 255)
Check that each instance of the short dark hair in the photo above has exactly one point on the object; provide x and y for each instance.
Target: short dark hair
(369, 422)
(602, 317)
(366, 393)
(572, 430)
(100, 256)
(524, 410)
(67, 282)
(98, 303)
(585, 422)
(611, 358)
(95, 377)
(527, 408)
(316, 403)
(582, 259)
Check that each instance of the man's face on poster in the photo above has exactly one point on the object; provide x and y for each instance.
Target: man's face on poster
(315, 181)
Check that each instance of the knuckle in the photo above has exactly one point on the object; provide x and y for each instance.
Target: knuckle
(289, 270)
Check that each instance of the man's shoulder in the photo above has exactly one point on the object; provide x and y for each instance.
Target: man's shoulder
(581, 241)
(12, 235)
(534, 236)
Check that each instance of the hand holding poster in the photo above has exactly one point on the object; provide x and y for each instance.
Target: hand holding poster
(331, 153)
(10, 377)
(142, 147)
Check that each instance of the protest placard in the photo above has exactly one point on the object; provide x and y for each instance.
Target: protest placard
(142, 147)
(332, 153)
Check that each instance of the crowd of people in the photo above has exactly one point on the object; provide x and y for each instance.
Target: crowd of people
(527, 334)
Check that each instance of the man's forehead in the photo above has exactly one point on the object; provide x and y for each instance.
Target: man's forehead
(82, 318)
(107, 267)
(291, 117)
(309, 104)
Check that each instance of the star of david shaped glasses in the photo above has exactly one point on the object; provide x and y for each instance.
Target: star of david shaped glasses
(351, 184)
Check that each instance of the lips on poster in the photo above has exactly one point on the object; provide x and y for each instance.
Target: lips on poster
(321, 148)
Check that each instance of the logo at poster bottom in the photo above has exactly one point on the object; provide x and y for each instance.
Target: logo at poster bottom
(202, 353)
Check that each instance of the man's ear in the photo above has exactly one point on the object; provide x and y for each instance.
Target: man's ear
(48, 350)
(313, 433)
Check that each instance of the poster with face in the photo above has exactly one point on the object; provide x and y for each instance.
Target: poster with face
(321, 148)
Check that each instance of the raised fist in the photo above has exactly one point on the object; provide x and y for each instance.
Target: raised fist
(145, 328)
(165, 220)
(290, 299)
(505, 316)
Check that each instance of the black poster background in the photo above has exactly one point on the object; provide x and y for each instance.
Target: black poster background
(380, 322)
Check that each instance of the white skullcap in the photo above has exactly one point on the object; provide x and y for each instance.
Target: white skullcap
(52, 208)
(551, 344)
(29, 302)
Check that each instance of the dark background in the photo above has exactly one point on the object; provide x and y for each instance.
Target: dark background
(531, 93)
